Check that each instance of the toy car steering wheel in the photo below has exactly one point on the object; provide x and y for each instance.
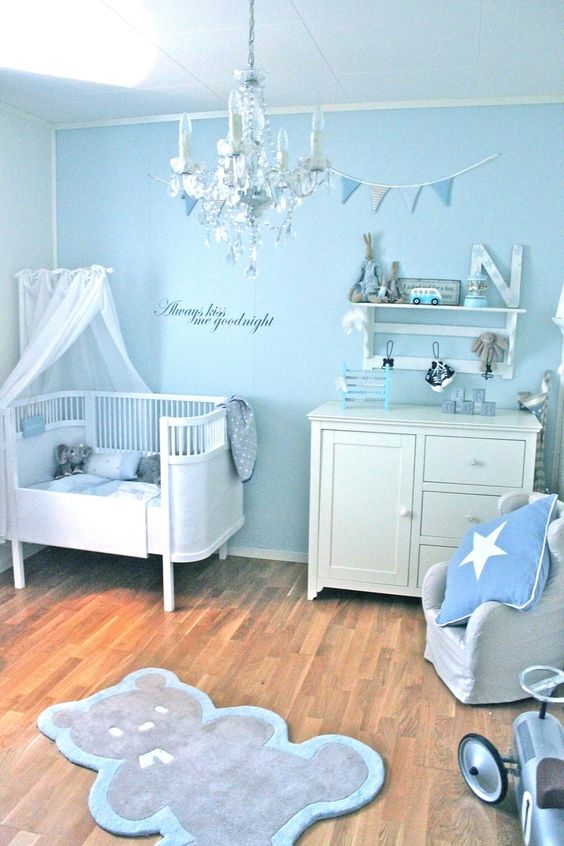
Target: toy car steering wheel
(541, 682)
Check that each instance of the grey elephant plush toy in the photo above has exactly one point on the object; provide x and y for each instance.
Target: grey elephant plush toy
(71, 460)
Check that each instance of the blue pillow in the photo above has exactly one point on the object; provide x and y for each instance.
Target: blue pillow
(505, 560)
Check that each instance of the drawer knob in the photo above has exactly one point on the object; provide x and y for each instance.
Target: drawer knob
(473, 461)
(471, 518)
(404, 512)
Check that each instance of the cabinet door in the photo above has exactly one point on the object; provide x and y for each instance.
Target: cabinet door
(365, 507)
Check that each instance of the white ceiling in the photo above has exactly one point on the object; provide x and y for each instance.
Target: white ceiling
(328, 52)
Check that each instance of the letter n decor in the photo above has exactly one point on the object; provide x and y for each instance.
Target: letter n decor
(482, 259)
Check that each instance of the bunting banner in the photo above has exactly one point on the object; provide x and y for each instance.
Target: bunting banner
(443, 189)
(348, 187)
(410, 193)
(189, 203)
(377, 194)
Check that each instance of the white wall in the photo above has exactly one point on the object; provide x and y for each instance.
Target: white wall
(26, 223)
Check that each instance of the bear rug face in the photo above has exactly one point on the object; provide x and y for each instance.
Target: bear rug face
(169, 762)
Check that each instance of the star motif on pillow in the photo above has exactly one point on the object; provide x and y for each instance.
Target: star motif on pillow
(483, 548)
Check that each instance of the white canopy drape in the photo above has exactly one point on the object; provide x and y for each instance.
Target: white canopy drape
(71, 340)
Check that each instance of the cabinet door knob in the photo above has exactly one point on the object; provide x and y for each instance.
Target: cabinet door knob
(470, 518)
(404, 512)
(473, 461)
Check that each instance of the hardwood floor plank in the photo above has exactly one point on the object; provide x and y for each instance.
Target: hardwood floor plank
(244, 633)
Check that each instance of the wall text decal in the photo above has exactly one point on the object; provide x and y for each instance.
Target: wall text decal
(213, 317)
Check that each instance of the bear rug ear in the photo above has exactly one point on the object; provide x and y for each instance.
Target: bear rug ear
(253, 786)
(152, 681)
(64, 718)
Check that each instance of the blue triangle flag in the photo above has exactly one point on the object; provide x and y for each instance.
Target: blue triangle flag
(348, 187)
(410, 195)
(189, 203)
(442, 189)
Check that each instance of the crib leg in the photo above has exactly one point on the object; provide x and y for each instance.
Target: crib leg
(168, 584)
(18, 564)
(223, 551)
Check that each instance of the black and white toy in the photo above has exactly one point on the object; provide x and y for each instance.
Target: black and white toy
(439, 375)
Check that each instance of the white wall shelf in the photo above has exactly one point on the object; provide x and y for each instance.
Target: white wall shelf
(439, 329)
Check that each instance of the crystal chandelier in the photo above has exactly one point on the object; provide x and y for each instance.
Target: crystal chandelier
(252, 184)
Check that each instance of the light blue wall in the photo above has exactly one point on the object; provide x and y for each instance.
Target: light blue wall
(111, 212)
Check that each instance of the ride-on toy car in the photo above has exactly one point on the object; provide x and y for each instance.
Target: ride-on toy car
(537, 762)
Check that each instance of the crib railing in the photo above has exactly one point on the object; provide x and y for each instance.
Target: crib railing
(122, 422)
(131, 422)
(182, 437)
(56, 409)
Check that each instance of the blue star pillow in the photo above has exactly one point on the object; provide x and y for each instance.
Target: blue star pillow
(505, 560)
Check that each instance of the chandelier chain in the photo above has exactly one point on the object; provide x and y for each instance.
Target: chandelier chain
(252, 34)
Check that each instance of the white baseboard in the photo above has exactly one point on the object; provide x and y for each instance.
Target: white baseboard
(6, 554)
(268, 554)
(237, 551)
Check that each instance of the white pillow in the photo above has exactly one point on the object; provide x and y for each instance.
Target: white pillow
(114, 465)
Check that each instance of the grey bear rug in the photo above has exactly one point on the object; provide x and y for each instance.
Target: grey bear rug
(169, 762)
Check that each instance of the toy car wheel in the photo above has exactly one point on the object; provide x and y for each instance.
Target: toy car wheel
(482, 768)
(416, 301)
(434, 301)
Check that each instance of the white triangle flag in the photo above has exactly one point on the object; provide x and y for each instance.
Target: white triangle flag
(410, 195)
(377, 194)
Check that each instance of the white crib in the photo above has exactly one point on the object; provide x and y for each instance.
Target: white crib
(201, 499)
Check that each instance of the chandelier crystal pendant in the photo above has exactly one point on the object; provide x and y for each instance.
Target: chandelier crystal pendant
(252, 184)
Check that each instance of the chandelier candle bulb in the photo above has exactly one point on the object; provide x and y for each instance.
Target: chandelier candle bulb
(282, 154)
(235, 121)
(317, 125)
(185, 140)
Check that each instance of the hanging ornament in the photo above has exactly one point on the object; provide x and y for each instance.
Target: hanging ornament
(388, 360)
(439, 374)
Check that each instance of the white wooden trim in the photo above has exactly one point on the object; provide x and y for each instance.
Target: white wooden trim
(268, 554)
(31, 118)
(54, 230)
(470, 102)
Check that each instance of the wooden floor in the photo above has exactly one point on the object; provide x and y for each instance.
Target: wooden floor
(244, 633)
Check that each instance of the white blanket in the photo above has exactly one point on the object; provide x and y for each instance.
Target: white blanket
(86, 483)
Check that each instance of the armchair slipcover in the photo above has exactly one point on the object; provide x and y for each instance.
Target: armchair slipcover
(481, 662)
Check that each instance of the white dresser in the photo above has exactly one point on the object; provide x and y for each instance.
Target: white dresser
(392, 492)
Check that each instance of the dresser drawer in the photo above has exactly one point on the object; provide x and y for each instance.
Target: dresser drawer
(474, 461)
(448, 515)
(430, 555)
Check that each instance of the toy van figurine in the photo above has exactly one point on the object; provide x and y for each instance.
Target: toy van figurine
(425, 296)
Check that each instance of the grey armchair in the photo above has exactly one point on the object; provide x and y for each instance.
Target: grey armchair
(481, 662)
